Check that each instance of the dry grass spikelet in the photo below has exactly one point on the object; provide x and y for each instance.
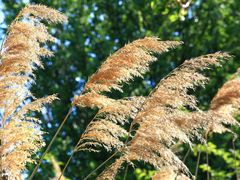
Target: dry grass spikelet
(21, 135)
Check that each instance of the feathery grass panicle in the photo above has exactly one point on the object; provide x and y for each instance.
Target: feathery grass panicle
(20, 138)
(172, 91)
(165, 117)
(44, 13)
(164, 107)
(21, 135)
(106, 128)
(226, 105)
(132, 60)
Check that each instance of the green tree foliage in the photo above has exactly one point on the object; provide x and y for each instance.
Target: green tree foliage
(96, 29)
(224, 156)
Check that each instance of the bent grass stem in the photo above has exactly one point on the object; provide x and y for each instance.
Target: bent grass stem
(50, 144)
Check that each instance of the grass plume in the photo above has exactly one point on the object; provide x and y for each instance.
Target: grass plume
(22, 49)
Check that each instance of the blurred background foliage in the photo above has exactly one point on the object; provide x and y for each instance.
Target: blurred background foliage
(96, 29)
